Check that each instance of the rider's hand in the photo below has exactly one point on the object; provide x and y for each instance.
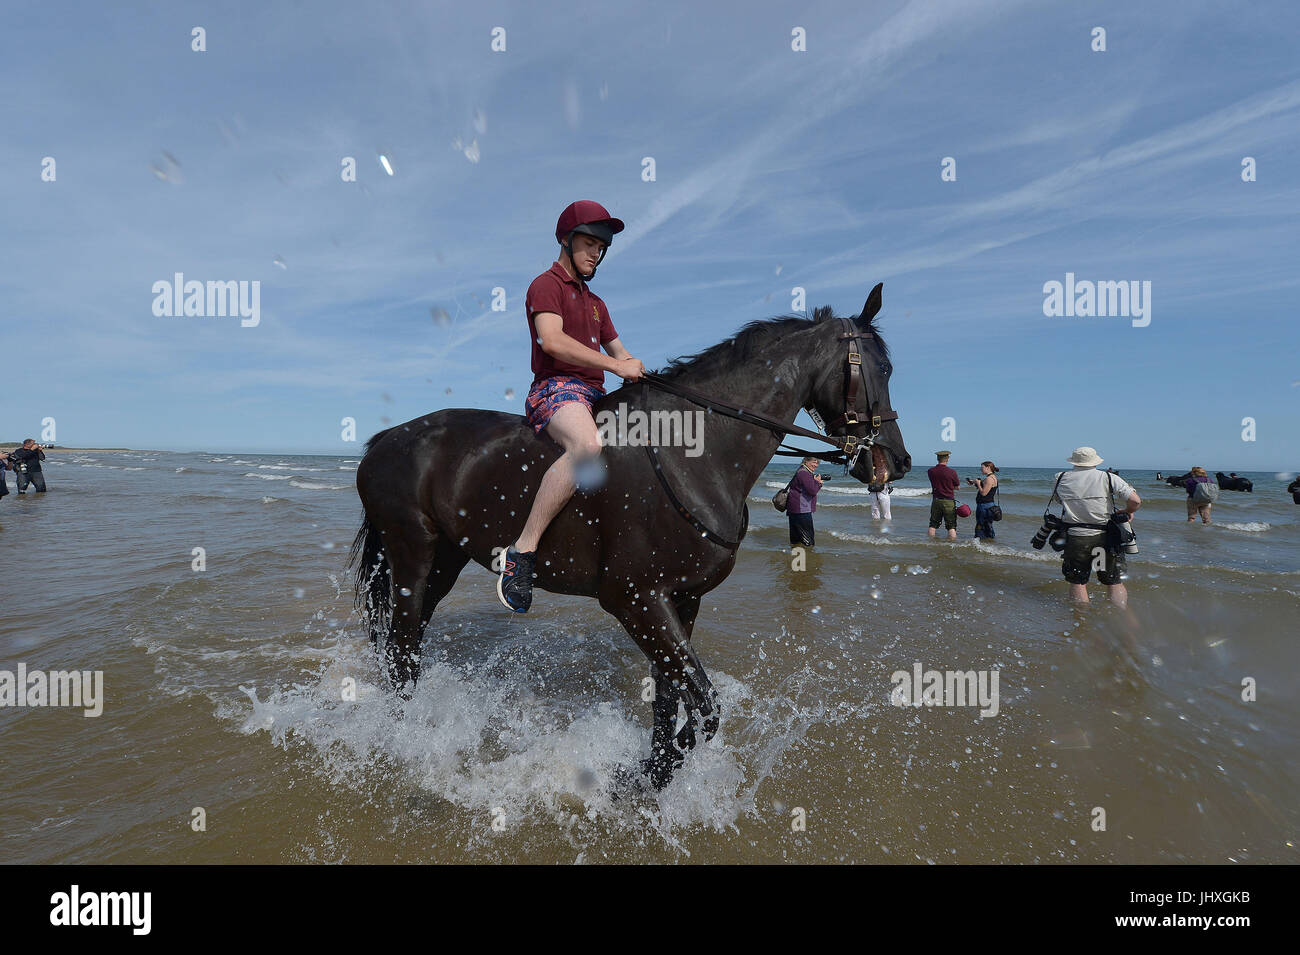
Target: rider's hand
(630, 369)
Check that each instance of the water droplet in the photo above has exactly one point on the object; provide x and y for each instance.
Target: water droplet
(440, 316)
(405, 591)
(875, 593)
(480, 121)
(510, 396)
(386, 163)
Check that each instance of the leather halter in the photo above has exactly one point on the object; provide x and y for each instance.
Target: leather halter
(855, 383)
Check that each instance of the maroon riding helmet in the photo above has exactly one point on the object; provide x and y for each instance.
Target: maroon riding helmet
(589, 218)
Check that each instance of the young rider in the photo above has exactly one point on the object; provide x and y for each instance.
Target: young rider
(569, 324)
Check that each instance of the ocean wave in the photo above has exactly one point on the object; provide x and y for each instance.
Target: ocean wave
(271, 477)
(859, 490)
(288, 467)
(967, 544)
(1252, 527)
(317, 486)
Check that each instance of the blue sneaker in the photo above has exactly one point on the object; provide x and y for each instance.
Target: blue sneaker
(515, 585)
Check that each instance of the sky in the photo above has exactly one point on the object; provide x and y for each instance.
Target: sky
(774, 169)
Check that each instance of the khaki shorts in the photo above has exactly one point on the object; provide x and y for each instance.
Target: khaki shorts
(943, 509)
(1194, 508)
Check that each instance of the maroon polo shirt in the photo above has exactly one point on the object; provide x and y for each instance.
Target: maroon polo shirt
(586, 320)
(943, 481)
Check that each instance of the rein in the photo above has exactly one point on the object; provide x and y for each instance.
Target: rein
(848, 446)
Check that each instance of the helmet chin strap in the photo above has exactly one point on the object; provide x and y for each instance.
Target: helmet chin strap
(568, 247)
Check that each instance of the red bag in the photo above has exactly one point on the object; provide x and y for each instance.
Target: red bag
(963, 510)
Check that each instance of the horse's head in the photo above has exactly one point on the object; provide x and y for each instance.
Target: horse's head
(851, 396)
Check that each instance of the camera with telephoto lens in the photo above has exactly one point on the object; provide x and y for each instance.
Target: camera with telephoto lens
(1122, 537)
(1054, 528)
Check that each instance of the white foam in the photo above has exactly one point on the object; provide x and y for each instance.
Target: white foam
(271, 477)
(858, 489)
(317, 486)
(485, 739)
(1253, 527)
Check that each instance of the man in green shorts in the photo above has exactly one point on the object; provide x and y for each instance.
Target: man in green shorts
(943, 488)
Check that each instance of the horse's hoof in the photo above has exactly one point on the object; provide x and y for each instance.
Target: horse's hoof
(659, 770)
(625, 781)
(711, 726)
(686, 735)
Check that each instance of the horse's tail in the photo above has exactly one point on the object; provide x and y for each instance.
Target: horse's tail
(373, 574)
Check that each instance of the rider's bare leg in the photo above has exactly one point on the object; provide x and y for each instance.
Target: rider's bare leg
(573, 428)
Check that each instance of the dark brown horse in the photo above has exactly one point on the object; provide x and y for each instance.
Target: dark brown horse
(456, 486)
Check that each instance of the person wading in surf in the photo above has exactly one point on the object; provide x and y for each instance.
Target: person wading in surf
(569, 325)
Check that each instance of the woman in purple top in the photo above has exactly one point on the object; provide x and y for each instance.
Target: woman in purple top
(803, 501)
(1195, 507)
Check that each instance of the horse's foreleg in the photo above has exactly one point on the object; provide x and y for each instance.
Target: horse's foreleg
(664, 756)
(688, 607)
(652, 620)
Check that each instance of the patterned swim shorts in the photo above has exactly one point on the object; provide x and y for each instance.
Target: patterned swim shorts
(547, 395)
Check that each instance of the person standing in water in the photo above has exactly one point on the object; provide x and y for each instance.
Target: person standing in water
(985, 488)
(803, 502)
(569, 324)
(1088, 498)
(26, 462)
(1198, 504)
(943, 488)
(880, 503)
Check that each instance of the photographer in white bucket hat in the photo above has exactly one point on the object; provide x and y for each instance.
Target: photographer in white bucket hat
(1088, 498)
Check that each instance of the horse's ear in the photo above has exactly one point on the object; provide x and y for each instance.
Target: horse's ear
(872, 307)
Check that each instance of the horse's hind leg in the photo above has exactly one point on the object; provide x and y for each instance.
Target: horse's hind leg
(411, 559)
(448, 561)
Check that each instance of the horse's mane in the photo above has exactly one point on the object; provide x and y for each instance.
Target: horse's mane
(751, 339)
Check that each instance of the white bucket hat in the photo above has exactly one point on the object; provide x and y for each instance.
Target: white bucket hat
(1085, 458)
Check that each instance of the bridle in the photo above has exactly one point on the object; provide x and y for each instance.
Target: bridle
(868, 414)
(849, 447)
